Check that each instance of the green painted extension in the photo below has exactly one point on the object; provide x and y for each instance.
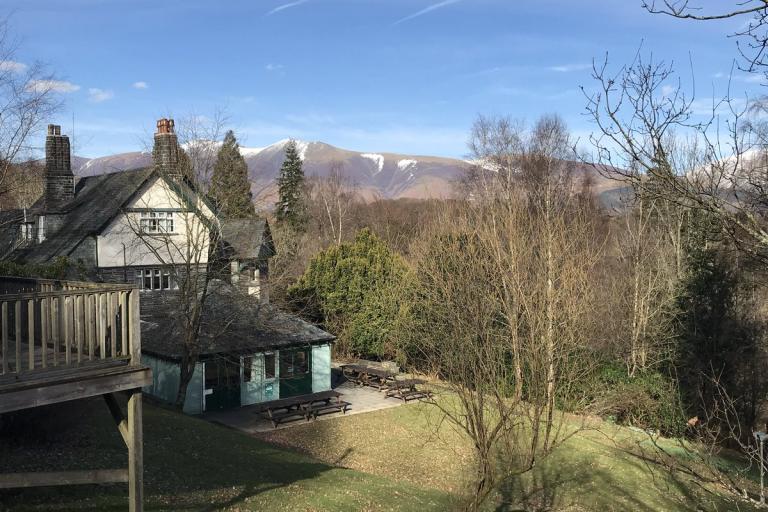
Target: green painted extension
(226, 382)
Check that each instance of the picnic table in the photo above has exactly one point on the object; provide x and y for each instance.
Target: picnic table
(364, 375)
(405, 389)
(303, 406)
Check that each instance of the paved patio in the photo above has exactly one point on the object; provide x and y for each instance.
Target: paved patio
(248, 419)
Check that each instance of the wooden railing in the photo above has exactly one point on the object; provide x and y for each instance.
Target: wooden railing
(66, 323)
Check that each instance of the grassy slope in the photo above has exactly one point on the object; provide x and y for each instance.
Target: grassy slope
(399, 459)
(591, 471)
(193, 465)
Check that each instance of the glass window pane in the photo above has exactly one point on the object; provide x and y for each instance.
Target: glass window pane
(269, 366)
(301, 362)
(247, 367)
(166, 281)
(156, 280)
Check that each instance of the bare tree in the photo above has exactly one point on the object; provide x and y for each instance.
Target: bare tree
(502, 299)
(334, 197)
(645, 285)
(189, 259)
(28, 97)
(753, 32)
(649, 137)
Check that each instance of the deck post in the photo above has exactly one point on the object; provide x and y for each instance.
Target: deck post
(135, 452)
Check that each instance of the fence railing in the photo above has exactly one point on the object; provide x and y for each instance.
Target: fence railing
(66, 323)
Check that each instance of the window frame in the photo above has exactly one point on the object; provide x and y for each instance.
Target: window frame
(154, 279)
(273, 375)
(157, 222)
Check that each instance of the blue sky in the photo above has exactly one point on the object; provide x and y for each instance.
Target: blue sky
(405, 76)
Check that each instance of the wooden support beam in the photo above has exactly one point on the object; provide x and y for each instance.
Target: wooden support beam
(98, 476)
(117, 415)
(45, 329)
(17, 321)
(80, 388)
(135, 453)
(4, 325)
(31, 332)
(66, 303)
(124, 323)
(134, 327)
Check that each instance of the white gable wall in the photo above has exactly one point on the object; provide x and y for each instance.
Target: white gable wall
(120, 243)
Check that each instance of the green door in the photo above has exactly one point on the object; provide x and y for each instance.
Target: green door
(222, 384)
(295, 372)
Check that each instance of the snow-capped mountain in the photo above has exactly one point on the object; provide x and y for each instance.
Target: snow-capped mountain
(386, 175)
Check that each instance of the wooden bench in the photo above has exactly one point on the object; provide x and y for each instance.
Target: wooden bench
(287, 415)
(314, 410)
(368, 376)
(302, 406)
(405, 390)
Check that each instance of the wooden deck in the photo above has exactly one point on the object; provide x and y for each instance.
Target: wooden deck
(63, 340)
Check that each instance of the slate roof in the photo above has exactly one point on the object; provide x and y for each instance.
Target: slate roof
(9, 219)
(247, 239)
(98, 199)
(232, 324)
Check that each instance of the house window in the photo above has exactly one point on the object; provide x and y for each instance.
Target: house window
(293, 363)
(156, 222)
(155, 279)
(27, 231)
(247, 369)
(269, 366)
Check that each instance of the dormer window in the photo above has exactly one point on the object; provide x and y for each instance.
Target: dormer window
(155, 222)
(28, 232)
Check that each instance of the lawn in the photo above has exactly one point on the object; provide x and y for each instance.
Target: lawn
(191, 465)
(590, 471)
(395, 459)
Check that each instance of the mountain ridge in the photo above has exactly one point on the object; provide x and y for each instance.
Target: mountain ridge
(374, 174)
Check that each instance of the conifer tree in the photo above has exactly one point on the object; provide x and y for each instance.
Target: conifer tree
(230, 188)
(291, 207)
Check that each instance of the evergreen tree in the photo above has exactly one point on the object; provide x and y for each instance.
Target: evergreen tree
(230, 188)
(349, 288)
(291, 207)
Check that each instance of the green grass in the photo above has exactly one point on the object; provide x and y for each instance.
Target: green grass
(594, 470)
(394, 459)
(193, 465)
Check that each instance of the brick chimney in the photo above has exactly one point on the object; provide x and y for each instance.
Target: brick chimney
(165, 153)
(59, 180)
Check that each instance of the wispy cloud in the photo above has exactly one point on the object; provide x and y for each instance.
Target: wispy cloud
(569, 68)
(97, 95)
(274, 67)
(11, 65)
(286, 6)
(667, 90)
(426, 10)
(140, 85)
(42, 86)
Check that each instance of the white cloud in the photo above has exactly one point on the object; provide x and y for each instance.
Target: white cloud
(667, 90)
(140, 85)
(41, 86)
(274, 67)
(98, 95)
(426, 10)
(10, 65)
(286, 6)
(568, 68)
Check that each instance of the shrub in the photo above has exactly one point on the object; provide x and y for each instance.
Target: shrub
(647, 400)
(349, 289)
(56, 270)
